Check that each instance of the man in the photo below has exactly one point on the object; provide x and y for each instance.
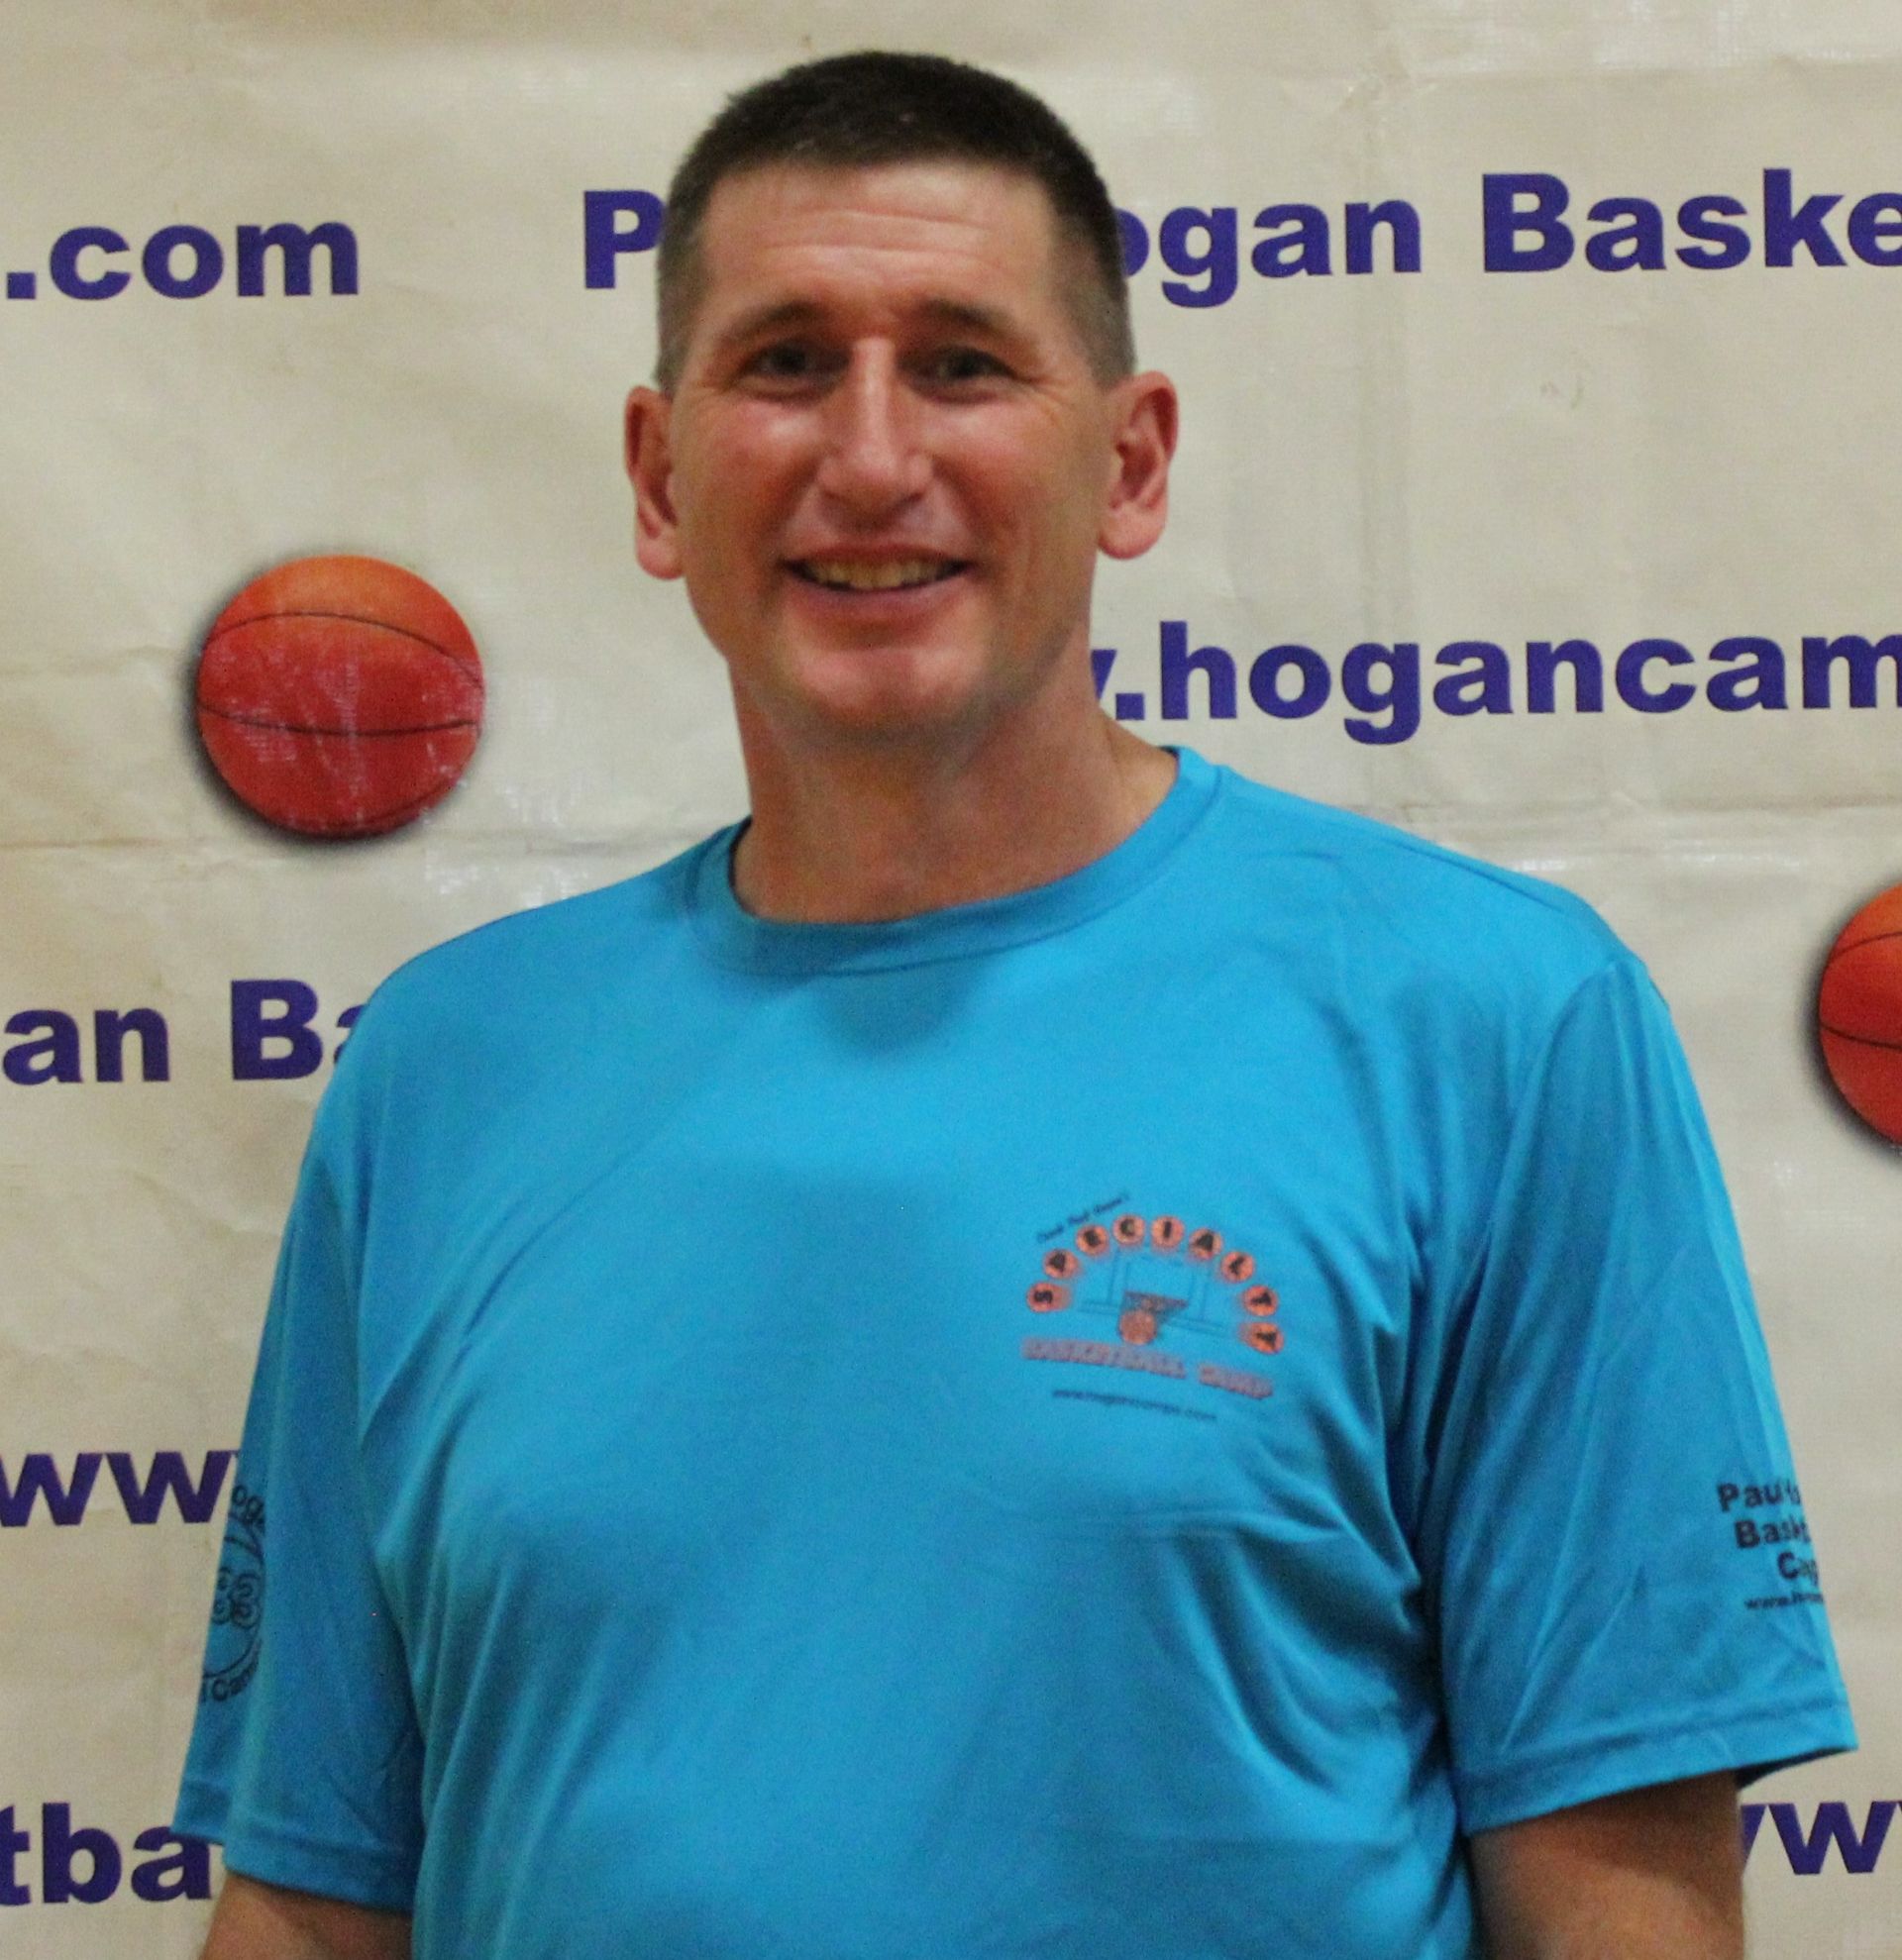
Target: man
(1038, 1351)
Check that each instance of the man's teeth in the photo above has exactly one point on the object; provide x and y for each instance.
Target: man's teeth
(886, 575)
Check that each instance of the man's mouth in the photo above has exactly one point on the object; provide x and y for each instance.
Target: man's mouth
(851, 574)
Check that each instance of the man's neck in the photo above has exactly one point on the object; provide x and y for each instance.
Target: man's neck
(858, 834)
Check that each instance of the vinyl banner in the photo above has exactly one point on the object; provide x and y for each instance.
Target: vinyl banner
(1536, 493)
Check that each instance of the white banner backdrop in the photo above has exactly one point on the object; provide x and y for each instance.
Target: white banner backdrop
(1410, 431)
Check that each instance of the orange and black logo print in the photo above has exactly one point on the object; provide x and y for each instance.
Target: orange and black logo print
(1153, 1274)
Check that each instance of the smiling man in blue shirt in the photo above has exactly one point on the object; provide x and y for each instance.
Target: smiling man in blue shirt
(1038, 1350)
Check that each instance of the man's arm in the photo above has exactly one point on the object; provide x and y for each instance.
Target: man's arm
(257, 1921)
(1653, 1874)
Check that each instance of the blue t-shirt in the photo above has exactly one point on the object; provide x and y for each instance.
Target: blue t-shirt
(1117, 1421)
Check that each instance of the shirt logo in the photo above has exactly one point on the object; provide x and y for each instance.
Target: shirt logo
(237, 1610)
(1139, 1283)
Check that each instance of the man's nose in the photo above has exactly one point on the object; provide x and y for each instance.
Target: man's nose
(874, 458)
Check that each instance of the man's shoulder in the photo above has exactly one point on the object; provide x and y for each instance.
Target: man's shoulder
(517, 968)
(1391, 901)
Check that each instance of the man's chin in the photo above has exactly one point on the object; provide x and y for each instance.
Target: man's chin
(884, 696)
(882, 722)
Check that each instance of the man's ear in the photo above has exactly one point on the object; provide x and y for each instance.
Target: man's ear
(650, 468)
(1144, 415)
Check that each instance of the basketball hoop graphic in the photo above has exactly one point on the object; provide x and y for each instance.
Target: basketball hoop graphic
(1142, 1315)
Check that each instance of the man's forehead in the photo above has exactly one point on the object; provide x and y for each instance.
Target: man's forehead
(955, 215)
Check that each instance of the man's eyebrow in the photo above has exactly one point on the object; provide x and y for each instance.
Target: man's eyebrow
(767, 319)
(775, 315)
(991, 321)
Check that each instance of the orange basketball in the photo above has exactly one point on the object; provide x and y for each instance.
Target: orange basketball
(1137, 1326)
(339, 696)
(1858, 1014)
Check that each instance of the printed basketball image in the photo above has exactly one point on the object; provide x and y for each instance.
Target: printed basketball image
(1261, 1299)
(1137, 1326)
(1061, 1264)
(339, 696)
(1044, 1298)
(1858, 1014)
(1165, 1233)
(1261, 1335)
(1237, 1267)
(1094, 1240)
(1129, 1229)
(1205, 1244)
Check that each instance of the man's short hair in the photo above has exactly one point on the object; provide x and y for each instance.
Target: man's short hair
(852, 111)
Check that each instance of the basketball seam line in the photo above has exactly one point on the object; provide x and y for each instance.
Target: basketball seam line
(354, 619)
(416, 803)
(312, 728)
(1866, 1040)
(1875, 939)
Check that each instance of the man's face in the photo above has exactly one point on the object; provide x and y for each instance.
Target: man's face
(888, 464)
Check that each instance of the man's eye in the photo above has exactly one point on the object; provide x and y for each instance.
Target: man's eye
(784, 360)
(964, 364)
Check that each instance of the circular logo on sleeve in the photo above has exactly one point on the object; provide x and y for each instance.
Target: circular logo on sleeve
(237, 1608)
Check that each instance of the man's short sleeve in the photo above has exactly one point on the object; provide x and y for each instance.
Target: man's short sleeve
(305, 1757)
(1612, 1530)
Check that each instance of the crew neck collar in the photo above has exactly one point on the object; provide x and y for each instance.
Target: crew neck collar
(737, 937)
